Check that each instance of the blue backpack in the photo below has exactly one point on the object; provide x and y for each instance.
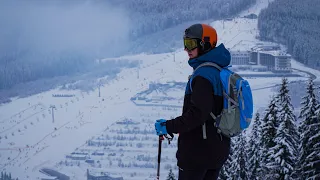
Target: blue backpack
(237, 103)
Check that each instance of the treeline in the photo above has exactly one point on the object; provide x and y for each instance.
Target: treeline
(19, 68)
(280, 145)
(296, 24)
(15, 70)
(152, 16)
(16, 81)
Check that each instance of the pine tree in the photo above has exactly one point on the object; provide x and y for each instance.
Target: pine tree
(5, 176)
(310, 136)
(171, 175)
(254, 157)
(226, 170)
(268, 134)
(309, 105)
(239, 156)
(284, 153)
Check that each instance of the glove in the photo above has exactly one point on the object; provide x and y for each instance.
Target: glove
(160, 127)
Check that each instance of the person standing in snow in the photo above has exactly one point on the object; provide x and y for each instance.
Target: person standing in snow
(199, 156)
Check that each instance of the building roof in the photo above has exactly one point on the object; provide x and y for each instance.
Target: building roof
(77, 156)
(276, 53)
(105, 175)
(44, 176)
(273, 49)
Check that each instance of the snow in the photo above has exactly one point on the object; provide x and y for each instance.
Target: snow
(297, 65)
(31, 140)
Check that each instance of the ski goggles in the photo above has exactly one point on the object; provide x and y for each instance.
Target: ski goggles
(190, 44)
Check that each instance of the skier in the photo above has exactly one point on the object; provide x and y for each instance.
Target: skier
(202, 150)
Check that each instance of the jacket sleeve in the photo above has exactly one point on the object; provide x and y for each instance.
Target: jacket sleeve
(200, 108)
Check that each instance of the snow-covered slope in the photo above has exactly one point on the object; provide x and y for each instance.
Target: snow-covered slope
(33, 138)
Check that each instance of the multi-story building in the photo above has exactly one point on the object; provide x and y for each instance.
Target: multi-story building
(261, 57)
(283, 63)
(240, 57)
(266, 59)
(271, 57)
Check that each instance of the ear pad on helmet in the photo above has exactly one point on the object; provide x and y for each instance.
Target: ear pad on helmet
(206, 45)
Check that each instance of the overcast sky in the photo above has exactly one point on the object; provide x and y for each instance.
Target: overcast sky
(54, 26)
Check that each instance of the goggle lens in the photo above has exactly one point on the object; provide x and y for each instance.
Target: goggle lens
(190, 44)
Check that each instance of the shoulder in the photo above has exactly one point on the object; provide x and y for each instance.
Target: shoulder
(210, 73)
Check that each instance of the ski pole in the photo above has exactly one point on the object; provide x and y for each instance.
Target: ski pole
(159, 155)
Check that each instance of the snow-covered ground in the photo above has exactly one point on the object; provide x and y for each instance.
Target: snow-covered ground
(31, 137)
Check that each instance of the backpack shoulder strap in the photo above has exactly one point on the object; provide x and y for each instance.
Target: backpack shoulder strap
(204, 133)
(208, 64)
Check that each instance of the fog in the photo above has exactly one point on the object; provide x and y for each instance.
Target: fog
(45, 27)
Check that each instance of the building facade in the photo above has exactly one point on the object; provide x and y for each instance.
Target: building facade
(240, 57)
(266, 59)
(283, 63)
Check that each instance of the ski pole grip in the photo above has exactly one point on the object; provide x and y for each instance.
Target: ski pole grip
(161, 137)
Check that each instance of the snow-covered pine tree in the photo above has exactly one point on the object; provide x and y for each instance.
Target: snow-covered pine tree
(239, 168)
(268, 134)
(171, 175)
(309, 105)
(309, 156)
(285, 151)
(253, 154)
(226, 170)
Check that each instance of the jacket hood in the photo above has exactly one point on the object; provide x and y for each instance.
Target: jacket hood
(219, 55)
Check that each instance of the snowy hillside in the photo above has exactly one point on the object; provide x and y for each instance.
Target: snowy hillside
(114, 133)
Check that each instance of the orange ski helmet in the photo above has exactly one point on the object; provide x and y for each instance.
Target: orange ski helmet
(205, 35)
